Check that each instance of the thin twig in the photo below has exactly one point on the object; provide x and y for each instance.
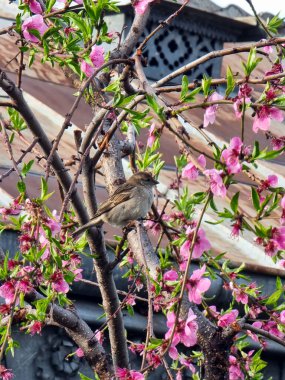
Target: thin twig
(6, 174)
(185, 278)
(162, 25)
(84, 156)
(266, 334)
(69, 115)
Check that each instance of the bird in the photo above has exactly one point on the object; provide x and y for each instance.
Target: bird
(130, 201)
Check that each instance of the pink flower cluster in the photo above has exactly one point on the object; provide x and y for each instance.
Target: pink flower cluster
(9, 288)
(34, 22)
(210, 113)
(6, 374)
(263, 117)
(275, 243)
(201, 245)
(216, 182)
(235, 372)
(242, 99)
(185, 332)
(97, 58)
(197, 285)
(190, 171)
(126, 374)
(233, 154)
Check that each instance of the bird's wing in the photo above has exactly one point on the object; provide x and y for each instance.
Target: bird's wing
(121, 195)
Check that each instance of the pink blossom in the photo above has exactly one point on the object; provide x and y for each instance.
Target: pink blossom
(210, 113)
(278, 237)
(141, 6)
(170, 275)
(237, 227)
(87, 69)
(24, 286)
(7, 291)
(179, 375)
(35, 7)
(216, 182)
(126, 374)
(196, 285)
(151, 135)
(58, 283)
(235, 372)
(54, 224)
(6, 374)
(263, 117)
(34, 22)
(268, 48)
(36, 327)
(278, 142)
(231, 155)
(5, 309)
(282, 316)
(130, 300)
(25, 242)
(154, 227)
(97, 56)
(45, 244)
(201, 245)
(242, 99)
(228, 318)
(239, 103)
(185, 332)
(190, 171)
(79, 352)
(187, 363)
(239, 294)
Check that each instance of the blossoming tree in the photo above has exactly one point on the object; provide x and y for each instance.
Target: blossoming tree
(210, 343)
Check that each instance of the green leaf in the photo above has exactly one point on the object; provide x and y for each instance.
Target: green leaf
(234, 202)
(21, 187)
(255, 199)
(27, 167)
(274, 297)
(83, 377)
(256, 149)
(280, 101)
(251, 63)
(206, 84)
(35, 33)
(275, 23)
(44, 188)
(279, 284)
(191, 96)
(269, 155)
(156, 107)
(31, 58)
(184, 89)
(230, 82)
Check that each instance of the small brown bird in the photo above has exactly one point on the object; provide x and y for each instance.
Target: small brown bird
(131, 201)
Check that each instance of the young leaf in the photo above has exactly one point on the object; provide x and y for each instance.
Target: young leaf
(234, 202)
(255, 199)
(230, 82)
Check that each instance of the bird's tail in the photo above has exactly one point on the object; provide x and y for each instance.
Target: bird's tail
(91, 223)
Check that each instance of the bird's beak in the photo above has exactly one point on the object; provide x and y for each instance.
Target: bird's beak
(155, 181)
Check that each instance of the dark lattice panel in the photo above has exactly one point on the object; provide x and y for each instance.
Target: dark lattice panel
(185, 40)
